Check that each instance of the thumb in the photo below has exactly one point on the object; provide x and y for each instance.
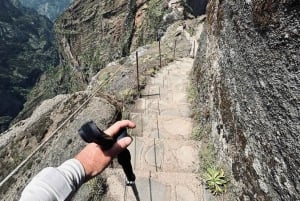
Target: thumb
(119, 146)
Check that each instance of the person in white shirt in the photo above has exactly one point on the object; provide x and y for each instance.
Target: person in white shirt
(60, 183)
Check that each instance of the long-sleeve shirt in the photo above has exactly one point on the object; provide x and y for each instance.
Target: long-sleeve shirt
(55, 184)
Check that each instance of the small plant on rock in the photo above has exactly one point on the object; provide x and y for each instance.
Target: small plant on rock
(216, 180)
(98, 188)
(128, 95)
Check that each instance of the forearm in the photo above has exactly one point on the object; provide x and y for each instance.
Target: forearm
(59, 184)
(55, 183)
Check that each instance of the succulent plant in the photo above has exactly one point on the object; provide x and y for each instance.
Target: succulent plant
(216, 180)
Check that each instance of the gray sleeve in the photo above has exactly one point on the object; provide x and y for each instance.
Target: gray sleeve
(55, 184)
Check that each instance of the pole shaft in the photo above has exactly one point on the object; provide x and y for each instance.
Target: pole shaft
(135, 192)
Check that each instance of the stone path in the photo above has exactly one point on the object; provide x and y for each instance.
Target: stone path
(164, 158)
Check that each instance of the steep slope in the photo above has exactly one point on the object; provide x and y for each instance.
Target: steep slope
(78, 31)
(20, 141)
(247, 71)
(90, 34)
(85, 35)
(50, 8)
(93, 33)
(26, 51)
(117, 80)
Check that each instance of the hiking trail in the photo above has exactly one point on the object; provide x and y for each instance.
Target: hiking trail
(163, 156)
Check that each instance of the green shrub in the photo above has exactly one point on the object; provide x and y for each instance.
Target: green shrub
(207, 157)
(128, 95)
(200, 132)
(216, 180)
(98, 188)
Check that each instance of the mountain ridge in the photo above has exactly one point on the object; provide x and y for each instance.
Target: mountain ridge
(27, 50)
(51, 9)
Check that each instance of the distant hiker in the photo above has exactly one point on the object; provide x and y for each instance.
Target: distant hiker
(57, 184)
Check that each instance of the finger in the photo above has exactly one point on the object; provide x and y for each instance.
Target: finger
(119, 146)
(116, 127)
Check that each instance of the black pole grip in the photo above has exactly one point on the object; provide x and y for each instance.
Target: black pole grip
(89, 132)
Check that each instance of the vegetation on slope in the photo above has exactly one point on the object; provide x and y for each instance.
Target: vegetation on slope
(26, 51)
(49, 8)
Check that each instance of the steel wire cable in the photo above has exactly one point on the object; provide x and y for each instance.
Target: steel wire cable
(58, 128)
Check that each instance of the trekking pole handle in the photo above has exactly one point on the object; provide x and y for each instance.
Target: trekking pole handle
(89, 132)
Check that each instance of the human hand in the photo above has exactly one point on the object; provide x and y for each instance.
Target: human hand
(94, 160)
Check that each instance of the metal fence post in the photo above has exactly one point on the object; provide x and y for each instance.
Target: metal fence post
(159, 49)
(137, 71)
(174, 49)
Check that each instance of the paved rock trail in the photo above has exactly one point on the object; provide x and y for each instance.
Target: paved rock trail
(164, 158)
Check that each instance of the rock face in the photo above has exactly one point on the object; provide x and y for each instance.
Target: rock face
(247, 71)
(91, 33)
(49, 8)
(24, 137)
(26, 51)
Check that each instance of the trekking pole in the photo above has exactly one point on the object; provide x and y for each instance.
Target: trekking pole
(89, 132)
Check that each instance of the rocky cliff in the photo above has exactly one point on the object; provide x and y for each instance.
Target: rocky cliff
(26, 51)
(51, 9)
(18, 142)
(247, 71)
(91, 34)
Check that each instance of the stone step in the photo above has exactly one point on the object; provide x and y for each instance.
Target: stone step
(160, 186)
(180, 109)
(169, 72)
(169, 102)
(168, 97)
(158, 155)
(166, 127)
(161, 126)
(137, 118)
(178, 68)
(165, 81)
(140, 106)
(147, 106)
(144, 105)
(151, 92)
(176, 87)
(173, 71)
(158, 80)
(162, 144)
